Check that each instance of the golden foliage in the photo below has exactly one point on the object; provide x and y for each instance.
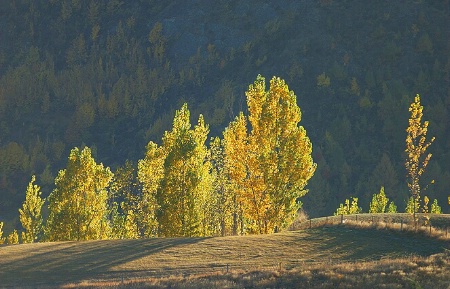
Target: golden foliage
(77, 206)
(31, 213)
(416, 146)
(271, 164)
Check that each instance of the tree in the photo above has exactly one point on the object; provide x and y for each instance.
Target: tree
(31, 213)
(379, 202)
(348, 208)
(78, 204)
(13, 238)
(411, 205)
(416, 146)
(186, 185)
(235, 145)
(392, 208)
(275, 158)
(435, 208)
(124, 201)
(150, 174)
(2, 239)
(222, 207)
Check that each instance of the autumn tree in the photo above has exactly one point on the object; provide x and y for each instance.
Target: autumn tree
(224, 208)
(435, 208)
(150, 174)
(416, 146)
(235, 145)
(2, 239)
(78, 205)
(348, 207)
(31, 213)
(180, 174)
(124, 200)
(13, 238)
(379, 202)
(275, 160)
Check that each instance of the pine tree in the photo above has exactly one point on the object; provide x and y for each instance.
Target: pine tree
(31, 213)
(78, 204)
(416, 146)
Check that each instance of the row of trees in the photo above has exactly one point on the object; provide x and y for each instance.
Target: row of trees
(380, 204)
(417, 160)
(250, 181)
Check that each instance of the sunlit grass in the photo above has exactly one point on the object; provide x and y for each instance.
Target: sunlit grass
(319, 258)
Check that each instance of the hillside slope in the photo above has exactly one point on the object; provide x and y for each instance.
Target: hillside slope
(74, 262)
(110, 74)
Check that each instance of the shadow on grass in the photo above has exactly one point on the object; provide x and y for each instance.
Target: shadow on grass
(62, 262)
(362, 244)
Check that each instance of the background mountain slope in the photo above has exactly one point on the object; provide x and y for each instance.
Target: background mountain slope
(110, 74)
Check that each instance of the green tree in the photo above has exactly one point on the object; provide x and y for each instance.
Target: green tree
(31, 213)
(78, 204)
(379, 202)
(416, 147)
(348, 208)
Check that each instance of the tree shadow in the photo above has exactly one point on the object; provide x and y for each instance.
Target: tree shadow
(373, 244)
(64, 262)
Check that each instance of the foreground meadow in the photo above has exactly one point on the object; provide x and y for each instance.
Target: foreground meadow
(326, 257)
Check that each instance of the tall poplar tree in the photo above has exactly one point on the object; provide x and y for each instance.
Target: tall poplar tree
(181, 175)
(31, 213)
(2, 239)
(235, 142)
(150, 174)
(416, 147)
(78, 204)
(275, 162)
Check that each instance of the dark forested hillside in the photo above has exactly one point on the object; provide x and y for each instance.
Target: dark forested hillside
(110, 74)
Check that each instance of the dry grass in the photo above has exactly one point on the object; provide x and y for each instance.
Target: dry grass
(326, 257)
(414, 272)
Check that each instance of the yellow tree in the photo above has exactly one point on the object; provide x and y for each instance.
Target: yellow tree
(31, 213)
(150, 174)
(78, 204)
(275, 159)
(186, 185)
(378, 203)
(235, 144)
(2, 239)
(416, 146)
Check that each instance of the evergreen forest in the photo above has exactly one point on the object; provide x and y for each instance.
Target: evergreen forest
(113, 86)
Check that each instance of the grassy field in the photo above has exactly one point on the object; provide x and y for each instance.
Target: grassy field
(313, 258)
